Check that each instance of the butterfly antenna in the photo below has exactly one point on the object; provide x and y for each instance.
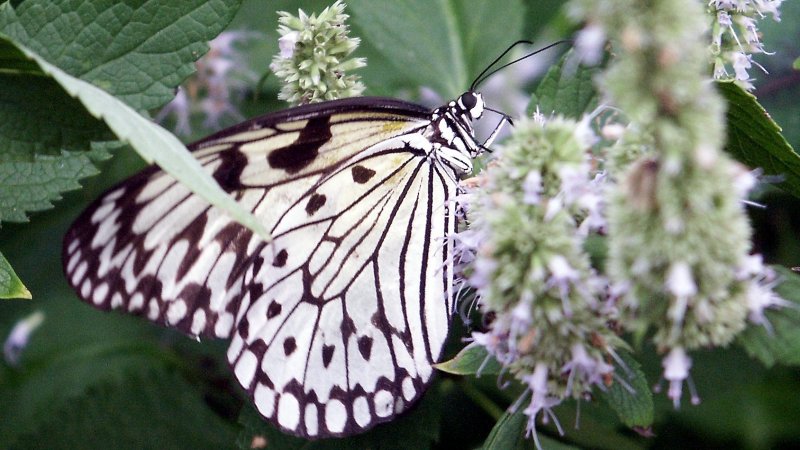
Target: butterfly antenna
(483, 76)
(478, 80)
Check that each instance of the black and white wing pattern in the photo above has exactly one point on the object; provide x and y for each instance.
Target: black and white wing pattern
(336, 323)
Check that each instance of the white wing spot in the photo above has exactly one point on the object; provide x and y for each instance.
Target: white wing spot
(264, 399)
(79, 273)
(74, 259)
(153, 187)
(408, 388)
(137, 302)
(288, 411)
(116, 300)
(361, 411)
(100, 293)
(399, 405)
(235, 347)
(72, 246)
(224, 324)
(384, 403)
(107, 230)
(198, 321)
(113, 195)
(102, 212)
(335, 416)
(246, 368)
(312, 421)
(86, 289)
(176, 311)
(152, 312)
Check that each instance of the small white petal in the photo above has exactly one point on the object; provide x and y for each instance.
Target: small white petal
(287, 44)
(676, 369)
(18, 338)
(680, 282)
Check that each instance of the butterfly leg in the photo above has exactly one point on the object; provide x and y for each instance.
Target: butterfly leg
(488, 142)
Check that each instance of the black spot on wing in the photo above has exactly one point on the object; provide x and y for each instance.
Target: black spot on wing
(273, 309)
(289, 346)
(362, 174)
(280, 258)
(296, 156)
(365, 347)
(229, 172)
(327, 354)
(348, 328)
(316, 202)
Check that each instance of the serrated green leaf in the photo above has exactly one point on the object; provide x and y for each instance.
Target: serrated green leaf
(634, 408)
(510, 433)
(567, 89)
(151, 141)
(145, 409)
(44, 138)
(756, 140)
(418, 428)
(472, 359)
(779, 341)
(443, 44)
(29, 186)
(138, 51)
(10, 284)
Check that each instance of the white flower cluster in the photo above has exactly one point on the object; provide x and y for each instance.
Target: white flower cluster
(735, 37)
(313, 58)
(529, 214)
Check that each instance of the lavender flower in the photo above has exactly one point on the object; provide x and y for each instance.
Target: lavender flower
(18, 338)
(678, 235)
(530, 270)
(218, 85)
(735, 37)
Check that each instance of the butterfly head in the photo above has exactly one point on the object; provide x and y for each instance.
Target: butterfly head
(471, 105)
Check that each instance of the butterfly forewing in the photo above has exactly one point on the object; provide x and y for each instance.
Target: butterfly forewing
(335, 324)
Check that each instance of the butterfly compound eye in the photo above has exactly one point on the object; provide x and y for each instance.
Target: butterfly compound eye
(472, 104)
(469, 100)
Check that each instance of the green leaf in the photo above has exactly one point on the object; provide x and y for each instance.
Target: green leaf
(29, 186)
(510, 433)
(756, 140)
(443, 44)
(10, 285)
(472, 359)
(543, 17)
(418, 428)
(145, 409)
(779, 341)
(152, 142)
(138, 51)
(567, 89)
(44, 140)
(635, 409)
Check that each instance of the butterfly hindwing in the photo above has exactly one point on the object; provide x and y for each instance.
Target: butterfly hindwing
(337, 322)
(344, 333)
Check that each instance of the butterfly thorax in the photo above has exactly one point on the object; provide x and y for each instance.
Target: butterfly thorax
(452, 135)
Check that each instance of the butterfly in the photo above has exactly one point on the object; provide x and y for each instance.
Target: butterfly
(335, 325)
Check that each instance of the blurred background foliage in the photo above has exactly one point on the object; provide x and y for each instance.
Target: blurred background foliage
(89, 379)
